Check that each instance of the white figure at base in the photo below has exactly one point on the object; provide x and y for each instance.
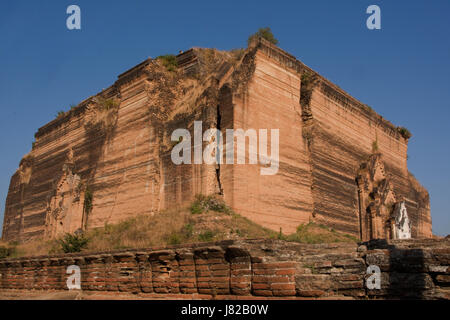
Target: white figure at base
(402, 222)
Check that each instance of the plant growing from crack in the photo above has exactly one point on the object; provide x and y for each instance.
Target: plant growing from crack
(88, 197)
(375, 148)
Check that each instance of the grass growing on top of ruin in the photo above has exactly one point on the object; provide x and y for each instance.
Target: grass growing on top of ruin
(317, 233)
(404, 132)
(174, 227)
(207, 219)
(169, 61)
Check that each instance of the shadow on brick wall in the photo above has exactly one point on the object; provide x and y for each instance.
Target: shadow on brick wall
(404, 271)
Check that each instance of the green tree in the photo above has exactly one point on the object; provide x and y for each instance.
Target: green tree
(73, 242)
(265, 33)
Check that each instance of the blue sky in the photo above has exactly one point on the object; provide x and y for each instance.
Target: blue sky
(402, 70)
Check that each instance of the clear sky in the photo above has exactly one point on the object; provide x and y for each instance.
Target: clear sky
(402, 70)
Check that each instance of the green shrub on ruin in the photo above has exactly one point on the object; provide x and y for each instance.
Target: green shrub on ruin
(368, 108)
(6, 252)
(311, 267)
(375, 148)
(3, 252)
(206, 236)
(280, 235)
(60, 114)
(169, 61)
(265, 33)
(88, 198)
(73, 243)
(183, 235)
(405, 133)
(187, 230)
(174, 239)
(109, 104)
(308, 83)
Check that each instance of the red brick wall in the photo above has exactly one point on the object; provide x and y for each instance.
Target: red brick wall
(262, 268)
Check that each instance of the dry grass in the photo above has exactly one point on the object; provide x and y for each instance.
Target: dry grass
(178, 227)
(138, 232)
(174, 227)
(162, 229)
(316, 233)
(169, 61)
(30, 248)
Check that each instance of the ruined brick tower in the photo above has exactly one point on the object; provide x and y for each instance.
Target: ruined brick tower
(340, 163)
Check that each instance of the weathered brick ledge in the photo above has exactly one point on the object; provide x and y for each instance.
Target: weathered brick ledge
(248, 268)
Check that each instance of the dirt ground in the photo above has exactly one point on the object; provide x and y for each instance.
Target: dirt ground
(63, 295)
(102, 295)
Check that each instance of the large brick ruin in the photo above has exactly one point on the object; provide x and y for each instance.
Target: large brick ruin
(340, 163)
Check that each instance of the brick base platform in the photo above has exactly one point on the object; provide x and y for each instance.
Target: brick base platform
(245, 269)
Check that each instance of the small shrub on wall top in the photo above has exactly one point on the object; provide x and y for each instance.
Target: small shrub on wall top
(265, 33)
(206, 236)
(404, 132)
(169, 61)
(73, 243)
(60, 114)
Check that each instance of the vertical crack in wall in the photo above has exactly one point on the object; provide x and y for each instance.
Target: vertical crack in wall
(308, 82)
(218, 151)
(359, 212)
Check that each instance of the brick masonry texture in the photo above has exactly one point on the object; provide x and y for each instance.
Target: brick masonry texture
(122, 154)
(416, 269)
